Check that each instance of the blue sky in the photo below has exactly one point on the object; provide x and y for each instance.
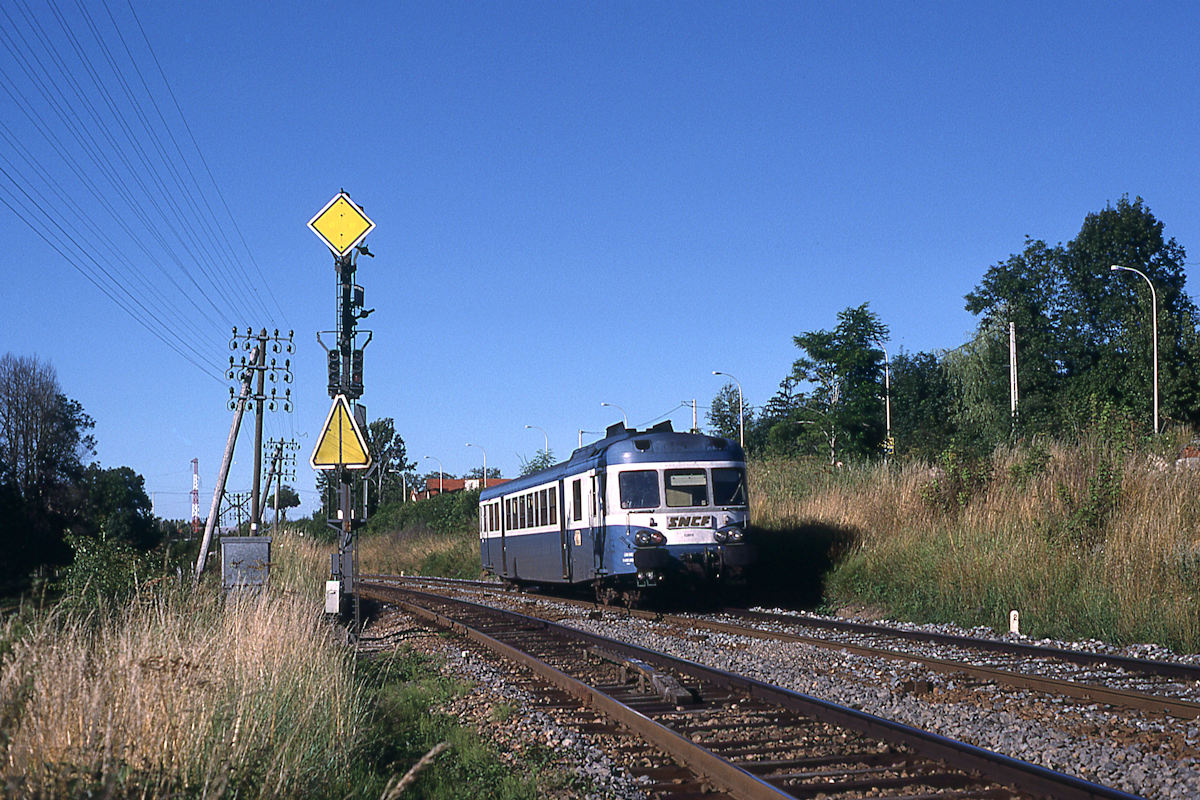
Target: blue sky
(576, 202)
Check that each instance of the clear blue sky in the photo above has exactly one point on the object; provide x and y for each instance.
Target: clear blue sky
(576, 202)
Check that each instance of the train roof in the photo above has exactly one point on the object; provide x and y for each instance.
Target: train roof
(622, 445)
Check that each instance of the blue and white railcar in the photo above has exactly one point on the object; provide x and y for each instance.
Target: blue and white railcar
(644, 508)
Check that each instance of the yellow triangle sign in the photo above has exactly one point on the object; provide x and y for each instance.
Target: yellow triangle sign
(341, 443)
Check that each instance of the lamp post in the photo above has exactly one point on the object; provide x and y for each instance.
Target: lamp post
(484, 462)
(440, 471)
(545, 435)
(741, 408)
(624, 419)
(1154, 330)
(887, 399)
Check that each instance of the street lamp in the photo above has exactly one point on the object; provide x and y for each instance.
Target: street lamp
(624, 418)
(582, 432)
(887, 398)
(484, 462)
(544, 434)
(741, 408)
(1154, 330)
(440, 471)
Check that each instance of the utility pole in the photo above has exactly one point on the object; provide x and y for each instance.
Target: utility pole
(263, 370)
(695, 427)
(195, 497)
(342, 226)
(1012, 375)
(238, 407)
(283, 467)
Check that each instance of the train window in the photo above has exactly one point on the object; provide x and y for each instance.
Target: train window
(686, 487)
(553, 493)
(544, 507)
(529, 510)
(508, 512)
(639, 488)
(577, 498)
(729, 486)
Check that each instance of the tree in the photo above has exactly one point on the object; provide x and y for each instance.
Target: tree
(43, 433)
(477, 473)
(43, 441)
(288, 498)
(922, 405)
(391, 459)
(117, 507)
(540, 461)
(1084, 332)
(845, 369)
(723, 412)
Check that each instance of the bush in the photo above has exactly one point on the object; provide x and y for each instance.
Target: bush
(103, 573)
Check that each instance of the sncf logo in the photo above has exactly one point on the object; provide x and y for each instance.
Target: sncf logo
(703, 521)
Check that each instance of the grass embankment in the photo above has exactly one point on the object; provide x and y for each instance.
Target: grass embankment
(437, 536)
(184, 693)
(1100, 539)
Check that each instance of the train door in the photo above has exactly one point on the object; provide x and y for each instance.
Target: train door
(561, 513)
(596, 520)
(504, 522)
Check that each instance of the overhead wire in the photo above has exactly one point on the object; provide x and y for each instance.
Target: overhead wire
(200, 153)
(118, 188)
(175, 223)
(221, 255)
(117, 300)
(159, 191)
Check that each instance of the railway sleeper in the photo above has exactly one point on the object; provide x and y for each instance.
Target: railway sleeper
(649, 679)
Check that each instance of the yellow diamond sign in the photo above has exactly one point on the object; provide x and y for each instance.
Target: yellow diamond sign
(341, 443)
(341, 224)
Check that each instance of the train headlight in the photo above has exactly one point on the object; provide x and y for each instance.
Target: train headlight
(649, 539)
(729, 536)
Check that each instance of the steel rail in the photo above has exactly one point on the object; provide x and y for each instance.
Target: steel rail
(1139, 665)
(1090, 692)
(703, 762)
(958, 755)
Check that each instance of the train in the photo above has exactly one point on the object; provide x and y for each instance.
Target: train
(638, 510)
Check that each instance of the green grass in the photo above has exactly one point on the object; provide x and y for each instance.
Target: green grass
(406, 690)
(1093, 539)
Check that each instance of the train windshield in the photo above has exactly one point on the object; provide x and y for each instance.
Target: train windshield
(687, 487)
(639, 488)
(729, 486)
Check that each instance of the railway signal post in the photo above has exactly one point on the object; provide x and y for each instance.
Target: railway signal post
(341, 448)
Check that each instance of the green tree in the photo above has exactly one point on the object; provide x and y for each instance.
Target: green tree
(1083, 331)
(477, 472)
(723, 412)
(391, 460)
(43, 433)
(922, 405)
(44, 437)
(541, 460)
(844, 366)
(288, 498)
(116, 504)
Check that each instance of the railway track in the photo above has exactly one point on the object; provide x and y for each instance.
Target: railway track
(1120, 681)
(738, 735)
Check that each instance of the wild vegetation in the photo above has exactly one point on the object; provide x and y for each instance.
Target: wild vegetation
(1097, 538)
(183, 692)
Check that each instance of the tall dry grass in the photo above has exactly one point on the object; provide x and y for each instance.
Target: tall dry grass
(180, 692)
(1090, 540)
